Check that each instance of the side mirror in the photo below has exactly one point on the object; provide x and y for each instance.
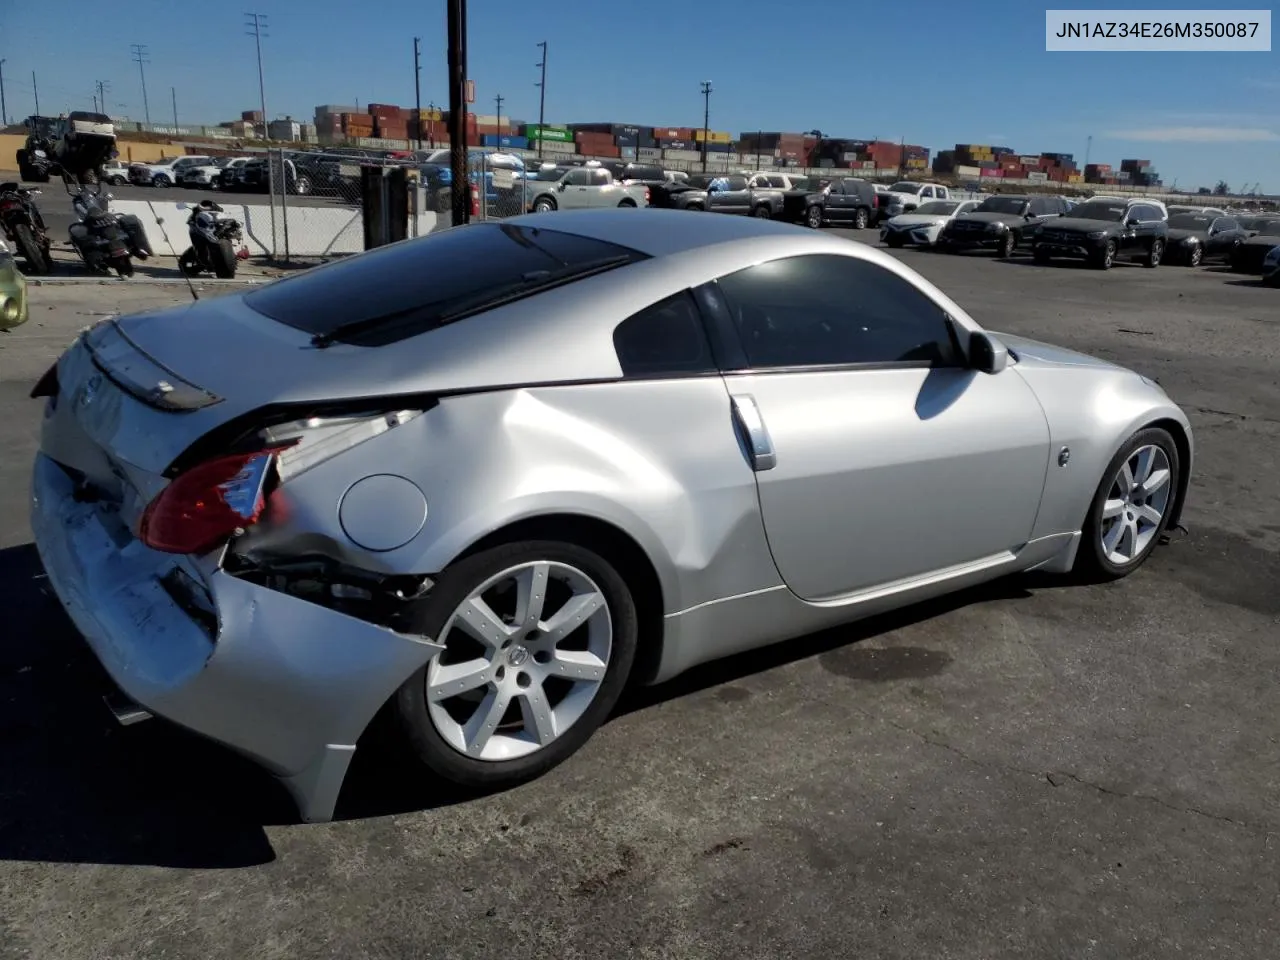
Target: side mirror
(986, 353)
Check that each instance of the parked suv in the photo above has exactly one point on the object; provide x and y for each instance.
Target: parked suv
(847, 201)
(1001, 223)
(1102, 231)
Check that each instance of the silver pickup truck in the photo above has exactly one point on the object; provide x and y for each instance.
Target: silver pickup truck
(584, 187)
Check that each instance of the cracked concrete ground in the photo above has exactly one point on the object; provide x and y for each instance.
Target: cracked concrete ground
(1029, 769)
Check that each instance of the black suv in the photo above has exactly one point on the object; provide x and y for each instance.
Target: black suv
(846, 201)
(1001, 223)
(1102, 231)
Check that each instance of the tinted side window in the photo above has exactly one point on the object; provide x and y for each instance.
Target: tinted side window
(1226, 223)
(600, 178)
(578, 177)
(737, 183)
(666, 339)
(828, 309)
(777, 182)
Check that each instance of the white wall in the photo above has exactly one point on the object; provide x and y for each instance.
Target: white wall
(311, 231)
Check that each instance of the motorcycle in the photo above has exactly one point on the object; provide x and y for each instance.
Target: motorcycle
(22, 224)
(104, 240)
(213, 242)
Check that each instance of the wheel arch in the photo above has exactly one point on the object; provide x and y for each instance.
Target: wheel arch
(1182, 440)
(616, 546)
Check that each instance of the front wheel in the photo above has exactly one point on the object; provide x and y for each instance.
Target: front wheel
(1152, 259)
(627, 203)
(161, 181)
(32, 252)
(1107, 258)
(224, 260)
(813, 217)
(302, 186)
(861, 219)
(539, 641)
(122, 266)
(117, 181)
(1132, 506)
(762, 212)
(544, 205)
(1008, 243)
(893, 240)
(189, 263)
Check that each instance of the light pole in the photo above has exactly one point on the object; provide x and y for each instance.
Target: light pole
(257, 24)
(4, 112)
(706, 120)
(140, 57)
(417, 84)
(498, 101)
(542, 95)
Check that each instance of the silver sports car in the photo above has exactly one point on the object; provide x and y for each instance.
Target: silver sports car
(488, 478)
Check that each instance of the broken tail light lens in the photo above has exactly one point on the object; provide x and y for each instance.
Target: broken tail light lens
(205, 506)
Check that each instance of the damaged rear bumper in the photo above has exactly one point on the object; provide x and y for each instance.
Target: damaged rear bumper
(289, 683)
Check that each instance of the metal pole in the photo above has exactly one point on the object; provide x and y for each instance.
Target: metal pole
(4, 110)
(257, 23)
(36, 91)
(542, 96)
(457, 26)
(417, 84)
(759, 140)
(706, 120)
(284, 204)
(140, 55)
(173, 94)
(498, 101)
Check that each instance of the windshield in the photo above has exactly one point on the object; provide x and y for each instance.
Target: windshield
(1190, 221)
(937, 206)
(1014, 205)
(1093, 210)
(1268, 228)
(410, 287)
(905, 186)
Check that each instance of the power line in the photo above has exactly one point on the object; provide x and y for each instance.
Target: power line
(140, 56)
(257, 26)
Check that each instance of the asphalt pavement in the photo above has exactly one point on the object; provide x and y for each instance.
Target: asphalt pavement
(1029, 769)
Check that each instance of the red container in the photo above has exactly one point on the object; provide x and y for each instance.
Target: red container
(389, 109)
(673, 133)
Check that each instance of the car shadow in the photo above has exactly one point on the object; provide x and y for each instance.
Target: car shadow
(79, 788)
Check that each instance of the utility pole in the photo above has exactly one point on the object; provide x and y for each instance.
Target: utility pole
(36, 91)
(257, 25)
(542, 95)
(759, 140)
(140, 57)
(1088, 149)
(706, 120)
(431, 140)
(4, 110)
(498, 100)
(417, 84)
(173, 95)
(101, 86)
(457, 26)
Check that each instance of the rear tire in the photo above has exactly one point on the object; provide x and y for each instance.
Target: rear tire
(813, 217)
(1093, 561)
(514, 664)
(544, 205)
(861, 218)
(1154, 255)
(628, 203)
(224, 260)
(123, 266)
(188, 264)
(31, 251)
(1195, 256)
(762, 212)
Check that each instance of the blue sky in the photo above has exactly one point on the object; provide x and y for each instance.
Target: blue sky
(958, 73)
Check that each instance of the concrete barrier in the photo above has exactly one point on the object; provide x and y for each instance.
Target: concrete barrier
(302, 231)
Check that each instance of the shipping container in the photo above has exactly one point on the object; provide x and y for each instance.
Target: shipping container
(626, 140)
(505, 142)
(673, 133)
(681, 155)
(712, 136)
(548, 134)
(557, 147)
(649, 153)
(675, 144)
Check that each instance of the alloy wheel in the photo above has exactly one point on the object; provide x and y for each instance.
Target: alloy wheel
(1197, 254)
(1135, 505)
(525, 655)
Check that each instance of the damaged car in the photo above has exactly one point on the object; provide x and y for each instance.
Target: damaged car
(533, 462)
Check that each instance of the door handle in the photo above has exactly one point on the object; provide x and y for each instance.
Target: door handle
(747, 415)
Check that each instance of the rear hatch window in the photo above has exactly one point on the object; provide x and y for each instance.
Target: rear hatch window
(406, 288)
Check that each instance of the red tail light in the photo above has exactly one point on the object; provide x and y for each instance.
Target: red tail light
(646, 195)
(11, 205)
(875, 201)
(207, 504)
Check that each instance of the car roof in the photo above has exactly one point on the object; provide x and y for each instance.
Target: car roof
(660, 232)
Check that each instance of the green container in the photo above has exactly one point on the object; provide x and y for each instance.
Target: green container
(559, 134)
